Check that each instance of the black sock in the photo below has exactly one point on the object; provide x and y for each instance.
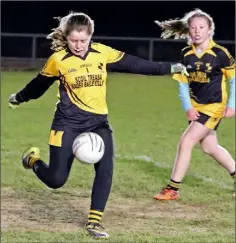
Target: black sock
(232, 175)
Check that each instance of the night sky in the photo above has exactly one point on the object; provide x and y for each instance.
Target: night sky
(114, 18)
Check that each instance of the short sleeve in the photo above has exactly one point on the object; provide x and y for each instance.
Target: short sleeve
(50, 68)
(178, 76)
(227, 63)
(112, 54)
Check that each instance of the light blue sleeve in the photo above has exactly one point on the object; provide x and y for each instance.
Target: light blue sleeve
(231, 100)
(184, 95)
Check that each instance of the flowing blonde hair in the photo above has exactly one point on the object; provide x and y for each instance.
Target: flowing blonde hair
(179, 28)
(74, 20)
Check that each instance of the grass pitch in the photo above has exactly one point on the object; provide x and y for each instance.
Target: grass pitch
(147, 120)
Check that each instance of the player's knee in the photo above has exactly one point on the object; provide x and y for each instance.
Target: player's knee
(207, 149)
(56, 184)
(56, 181)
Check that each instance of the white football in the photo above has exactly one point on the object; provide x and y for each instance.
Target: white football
(88, 148)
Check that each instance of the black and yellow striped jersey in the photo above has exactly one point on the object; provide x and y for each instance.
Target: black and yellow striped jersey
(208, 72)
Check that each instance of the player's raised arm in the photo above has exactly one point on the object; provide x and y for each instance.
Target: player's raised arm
(134, 64)
(122, 62)
(37, 86)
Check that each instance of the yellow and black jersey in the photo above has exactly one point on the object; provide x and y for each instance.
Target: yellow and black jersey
(208, 73)
(82, 83)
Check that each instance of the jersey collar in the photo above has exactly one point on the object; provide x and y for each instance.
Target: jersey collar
(210, 45)
(70, 54)
(208, 50)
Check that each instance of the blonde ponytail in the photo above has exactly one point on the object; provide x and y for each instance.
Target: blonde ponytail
(179, 28)
(173, 27)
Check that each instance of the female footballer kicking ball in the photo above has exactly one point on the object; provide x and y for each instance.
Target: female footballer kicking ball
(79, 66)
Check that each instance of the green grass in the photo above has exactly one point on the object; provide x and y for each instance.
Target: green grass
(147, 120)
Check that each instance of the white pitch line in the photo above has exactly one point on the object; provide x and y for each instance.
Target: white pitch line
(145, 158)
(148, 159)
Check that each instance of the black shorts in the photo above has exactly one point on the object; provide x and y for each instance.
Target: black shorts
(208, 121)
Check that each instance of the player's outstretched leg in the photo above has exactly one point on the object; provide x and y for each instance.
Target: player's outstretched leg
(55, 173)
